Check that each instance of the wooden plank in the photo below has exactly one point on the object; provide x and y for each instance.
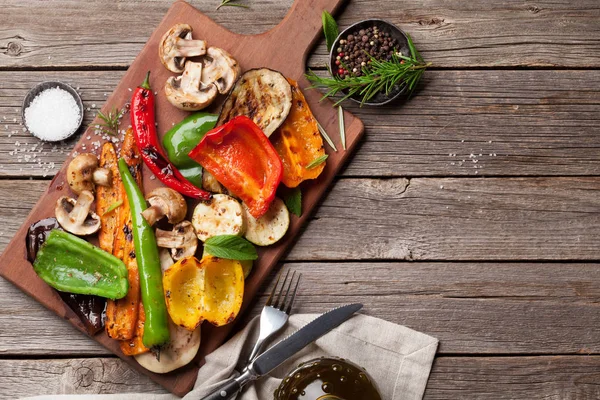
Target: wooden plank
(426, 219)
(451, 33)
(548, 378)
(538, 123)
(472, 308)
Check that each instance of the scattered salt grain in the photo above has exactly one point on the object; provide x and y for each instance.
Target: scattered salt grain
(53, 115)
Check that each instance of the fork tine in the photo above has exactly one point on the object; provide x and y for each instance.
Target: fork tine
(289, 308)
(268, 303)
(287, 292)
(276, 304)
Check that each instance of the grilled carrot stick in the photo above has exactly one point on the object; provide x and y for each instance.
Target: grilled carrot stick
(122, 314)
(107, 198)
(134, 346)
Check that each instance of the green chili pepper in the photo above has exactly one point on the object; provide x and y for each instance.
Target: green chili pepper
(156, 327)
(70, 264)
(182, 138)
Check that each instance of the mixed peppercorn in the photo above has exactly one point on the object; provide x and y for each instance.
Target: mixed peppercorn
(355, 51)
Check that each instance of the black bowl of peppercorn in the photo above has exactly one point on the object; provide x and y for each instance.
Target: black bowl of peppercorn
(353, 48)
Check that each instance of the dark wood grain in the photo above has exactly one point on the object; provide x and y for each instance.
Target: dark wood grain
(300, 28)
(427, 219)
(472, 308)
(451, 33)
(472, 378)
(523, 123)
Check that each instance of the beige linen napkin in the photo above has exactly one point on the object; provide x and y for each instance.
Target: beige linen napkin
(397, 358)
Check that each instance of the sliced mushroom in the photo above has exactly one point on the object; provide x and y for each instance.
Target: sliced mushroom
(83, 174)
(165, 202)
(187, 92)
(75, 216)
(220, 69)
(181, 240)
(177, 44)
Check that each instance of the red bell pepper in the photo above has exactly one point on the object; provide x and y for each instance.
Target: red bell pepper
(144, 130)
(243, 160)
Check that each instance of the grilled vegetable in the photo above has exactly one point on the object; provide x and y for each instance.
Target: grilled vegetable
(142, 121)
(262, 94)
(106, 197)
(88, 308)
(156, 332)
(182, 138)
(135, 346)
(222, 215)
(70, 264)
(211, 290)
(122, 315)
(243, 160)
(298, 142)
(182, 347)
(269, 228)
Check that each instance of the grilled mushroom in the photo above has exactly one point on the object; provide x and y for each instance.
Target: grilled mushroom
(181, 240)
(165, 202)
(187, 92)
(176, 45)
(75, 216)
(219, 69)
(83, 173)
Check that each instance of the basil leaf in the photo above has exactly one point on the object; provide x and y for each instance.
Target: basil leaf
(317, 161)
(330, 29)
(293, 201)
(231, 247)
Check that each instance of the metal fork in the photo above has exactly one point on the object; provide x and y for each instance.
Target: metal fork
(275, 313)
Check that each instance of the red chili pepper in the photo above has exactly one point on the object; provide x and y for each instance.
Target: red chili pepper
(144, 129)
(243, 160)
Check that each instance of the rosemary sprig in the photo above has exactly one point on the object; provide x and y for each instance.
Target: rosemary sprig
(230, 3)
(111, 121)
(378, 76)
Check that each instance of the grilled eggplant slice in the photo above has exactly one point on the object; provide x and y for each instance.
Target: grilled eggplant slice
(263, 95)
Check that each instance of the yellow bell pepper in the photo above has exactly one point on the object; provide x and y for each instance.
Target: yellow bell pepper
(211, 290)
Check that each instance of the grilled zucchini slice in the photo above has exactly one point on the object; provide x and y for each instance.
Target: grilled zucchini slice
(221, 215)
(263, 95)
(269, 228)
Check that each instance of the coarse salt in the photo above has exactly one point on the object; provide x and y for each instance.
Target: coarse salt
(53, 115)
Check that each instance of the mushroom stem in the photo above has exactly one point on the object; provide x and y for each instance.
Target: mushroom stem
(102, 177)
(189, 47)
(82, 207)
(153, 214)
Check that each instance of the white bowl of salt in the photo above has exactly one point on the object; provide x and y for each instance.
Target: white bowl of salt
(52, 111)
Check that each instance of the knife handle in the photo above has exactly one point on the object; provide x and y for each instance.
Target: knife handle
(231, 387)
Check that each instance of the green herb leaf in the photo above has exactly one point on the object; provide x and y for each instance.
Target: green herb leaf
(317, 161)
(293, 201)
(326, 136)
(231, 247)
(111, 121)
(330, 29)
(229, 3)
(113, 207)
(342, 126)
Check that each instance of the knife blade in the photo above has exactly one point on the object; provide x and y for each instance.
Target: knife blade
(283, 350)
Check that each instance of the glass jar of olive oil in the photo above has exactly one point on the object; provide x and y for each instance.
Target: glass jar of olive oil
(327, 379)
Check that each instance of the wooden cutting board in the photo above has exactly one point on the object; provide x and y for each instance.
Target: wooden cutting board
(283, 48)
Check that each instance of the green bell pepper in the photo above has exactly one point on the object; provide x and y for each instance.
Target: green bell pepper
(182, 138)
(70, 264)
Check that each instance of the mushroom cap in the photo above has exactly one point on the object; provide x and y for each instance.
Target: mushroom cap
(181, 240)
(220, 69)
(81, 171)
(186, 92)
(75, 216)
(170, 202)
(177, 44)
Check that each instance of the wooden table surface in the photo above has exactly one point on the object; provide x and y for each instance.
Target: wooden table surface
(470, 213)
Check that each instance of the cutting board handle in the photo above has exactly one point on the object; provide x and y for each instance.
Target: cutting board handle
(304, 19)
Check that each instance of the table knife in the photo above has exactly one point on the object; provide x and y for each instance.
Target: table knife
(283, 350)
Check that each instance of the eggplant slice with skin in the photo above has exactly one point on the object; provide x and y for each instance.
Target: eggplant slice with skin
(263, 95)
